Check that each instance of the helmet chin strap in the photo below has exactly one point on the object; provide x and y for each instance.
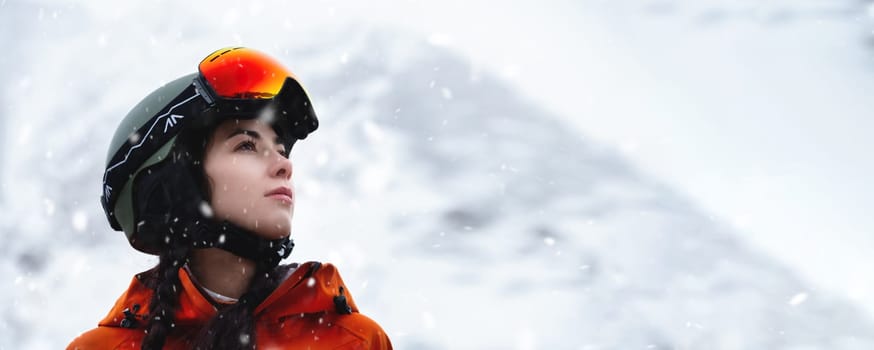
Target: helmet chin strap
(224, 235)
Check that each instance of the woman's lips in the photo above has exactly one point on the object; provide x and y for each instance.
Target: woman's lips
(284, 194)
(282, 197)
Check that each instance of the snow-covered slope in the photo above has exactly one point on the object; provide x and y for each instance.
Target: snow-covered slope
(460, 213)
(505, 228)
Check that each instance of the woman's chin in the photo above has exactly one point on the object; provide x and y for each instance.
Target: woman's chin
(274, 230)
(275, 226)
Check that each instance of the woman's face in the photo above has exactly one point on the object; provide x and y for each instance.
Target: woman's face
(250, 178)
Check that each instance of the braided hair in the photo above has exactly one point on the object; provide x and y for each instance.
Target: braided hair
(165, 299)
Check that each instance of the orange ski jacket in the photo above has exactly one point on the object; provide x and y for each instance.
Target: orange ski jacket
(311, 309)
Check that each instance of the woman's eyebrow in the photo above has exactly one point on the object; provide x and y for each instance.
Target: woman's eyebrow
(254, 134)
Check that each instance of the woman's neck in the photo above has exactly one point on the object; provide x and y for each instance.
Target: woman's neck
(221, 271)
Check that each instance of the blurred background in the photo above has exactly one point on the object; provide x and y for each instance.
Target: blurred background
(591, 174)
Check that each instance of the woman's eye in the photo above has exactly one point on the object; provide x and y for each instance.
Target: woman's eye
(247, 145)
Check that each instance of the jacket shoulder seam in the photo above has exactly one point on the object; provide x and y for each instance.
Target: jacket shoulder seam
(360, 334)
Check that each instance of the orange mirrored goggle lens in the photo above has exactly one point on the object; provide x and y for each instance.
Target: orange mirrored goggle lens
(242, 73)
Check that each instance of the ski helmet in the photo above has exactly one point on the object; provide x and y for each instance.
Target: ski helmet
(231, 83)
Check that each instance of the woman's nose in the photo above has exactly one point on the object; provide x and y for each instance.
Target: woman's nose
(281, 167)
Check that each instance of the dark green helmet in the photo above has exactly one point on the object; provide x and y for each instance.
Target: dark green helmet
(230, 83)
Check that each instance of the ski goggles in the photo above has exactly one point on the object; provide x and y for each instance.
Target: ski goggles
(241, 82)
(242, 73)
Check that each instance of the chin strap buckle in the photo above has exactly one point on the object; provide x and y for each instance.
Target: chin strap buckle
(285, 247)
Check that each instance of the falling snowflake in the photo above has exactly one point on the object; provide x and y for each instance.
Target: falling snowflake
(80, 221)
(447, 94)
(798, 299)
(244, 339)
(549, 241)
(205, 209)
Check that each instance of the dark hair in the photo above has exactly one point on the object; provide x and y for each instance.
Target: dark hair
(164, 280)
(233, 326)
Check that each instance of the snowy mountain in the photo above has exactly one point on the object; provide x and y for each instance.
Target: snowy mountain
(461, 214)
(505, 228)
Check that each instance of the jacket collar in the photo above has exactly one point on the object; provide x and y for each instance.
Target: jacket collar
(312, 288)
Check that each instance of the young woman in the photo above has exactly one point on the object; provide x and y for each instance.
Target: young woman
(199, 174)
